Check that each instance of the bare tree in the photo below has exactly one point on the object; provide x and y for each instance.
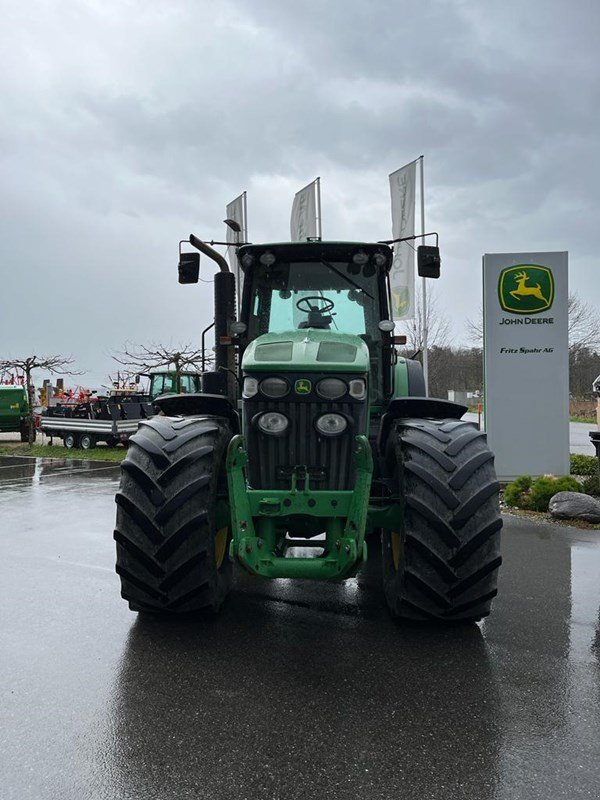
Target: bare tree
(438, 327)
(55, 365)
(584, 324)
(141, 359)
(474, 328)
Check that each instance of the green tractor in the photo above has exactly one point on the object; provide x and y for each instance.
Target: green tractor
(311, 432)
(14, 410)
(164, 381)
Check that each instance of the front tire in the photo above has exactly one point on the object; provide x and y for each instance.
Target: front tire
(171, 557)
(442, 565)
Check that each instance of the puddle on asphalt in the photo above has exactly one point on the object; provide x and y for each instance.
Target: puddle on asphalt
(18, 474)
(585, 600)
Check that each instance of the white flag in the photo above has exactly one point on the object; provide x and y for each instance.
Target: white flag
(402, 274)
(236, 210)
(304, 222)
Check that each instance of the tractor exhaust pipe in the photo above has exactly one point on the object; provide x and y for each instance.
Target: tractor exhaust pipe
(224, 316)
(209, 251)
(223, 379)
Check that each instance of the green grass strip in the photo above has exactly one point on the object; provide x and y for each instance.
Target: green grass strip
(53, 451)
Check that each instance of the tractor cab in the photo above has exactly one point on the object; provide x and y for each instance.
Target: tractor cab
(330, 287)
(169, 382)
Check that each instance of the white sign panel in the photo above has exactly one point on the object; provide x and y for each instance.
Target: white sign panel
(402, 274)
(526, 359)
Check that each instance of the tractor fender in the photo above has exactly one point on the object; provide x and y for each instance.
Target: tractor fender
(193, 404)
(416, 408)
(408, 378)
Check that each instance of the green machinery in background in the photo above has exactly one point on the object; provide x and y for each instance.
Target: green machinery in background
(311, 445)
(14, 410)
(163, 381)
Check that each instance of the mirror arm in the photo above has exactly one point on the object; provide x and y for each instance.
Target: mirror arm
(411, 238)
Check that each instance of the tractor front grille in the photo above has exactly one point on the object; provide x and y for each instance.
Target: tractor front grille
(328, 460)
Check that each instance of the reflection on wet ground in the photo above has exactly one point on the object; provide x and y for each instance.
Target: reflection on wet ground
(18, 473)
(297, 690)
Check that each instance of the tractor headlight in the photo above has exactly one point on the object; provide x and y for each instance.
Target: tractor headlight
(331, 424)
(274, 387)
(331, 388)
(250, 387)
(358, 388)
(273, 423)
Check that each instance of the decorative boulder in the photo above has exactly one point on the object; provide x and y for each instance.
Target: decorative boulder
(574, 505)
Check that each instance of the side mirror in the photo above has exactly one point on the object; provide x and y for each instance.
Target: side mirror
(189, 267)
(428, 261)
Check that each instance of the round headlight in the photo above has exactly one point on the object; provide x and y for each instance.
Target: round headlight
(273, 422)
(250, 387)
(274, 387)
(358, 389)
(331, 388)
(331, 424)
(267, 258)
(360, 258)
(247, 260)
(379, 259)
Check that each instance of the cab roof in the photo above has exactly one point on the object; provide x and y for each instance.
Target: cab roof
(315, 251)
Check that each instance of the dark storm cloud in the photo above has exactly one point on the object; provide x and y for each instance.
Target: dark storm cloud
(126, 125)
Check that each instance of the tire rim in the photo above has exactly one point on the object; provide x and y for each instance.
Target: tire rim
(396, 548)
(221, 546)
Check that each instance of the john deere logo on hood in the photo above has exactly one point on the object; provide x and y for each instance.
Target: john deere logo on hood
(303, 386)
(526, 289)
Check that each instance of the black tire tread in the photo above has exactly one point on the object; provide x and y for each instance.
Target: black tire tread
(451, 542)
(165, 524)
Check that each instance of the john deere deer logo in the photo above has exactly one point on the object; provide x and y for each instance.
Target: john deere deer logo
(526, 289)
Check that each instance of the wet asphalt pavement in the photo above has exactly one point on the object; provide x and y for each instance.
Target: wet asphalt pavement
(298, 690)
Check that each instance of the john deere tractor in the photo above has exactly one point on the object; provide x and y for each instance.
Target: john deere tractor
(312, 437)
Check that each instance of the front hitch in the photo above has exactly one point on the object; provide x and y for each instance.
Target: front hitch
(259, 518)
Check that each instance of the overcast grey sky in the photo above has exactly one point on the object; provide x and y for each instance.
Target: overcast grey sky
(126, 125)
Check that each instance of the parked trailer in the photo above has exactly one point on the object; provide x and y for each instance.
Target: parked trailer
(83, 425)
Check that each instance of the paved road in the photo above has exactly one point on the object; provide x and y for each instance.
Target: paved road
(579, 435)
(297, 690)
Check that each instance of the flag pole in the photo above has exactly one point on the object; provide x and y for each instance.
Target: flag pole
(318, 182)
(424, 284)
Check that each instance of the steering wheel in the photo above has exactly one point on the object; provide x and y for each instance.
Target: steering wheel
(327, 304)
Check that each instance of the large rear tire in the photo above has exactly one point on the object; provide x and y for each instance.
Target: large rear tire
(170, 556)
(443, 564)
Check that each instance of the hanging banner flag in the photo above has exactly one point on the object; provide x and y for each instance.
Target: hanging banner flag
(402, 274)
(306, 213)
(236, 211)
